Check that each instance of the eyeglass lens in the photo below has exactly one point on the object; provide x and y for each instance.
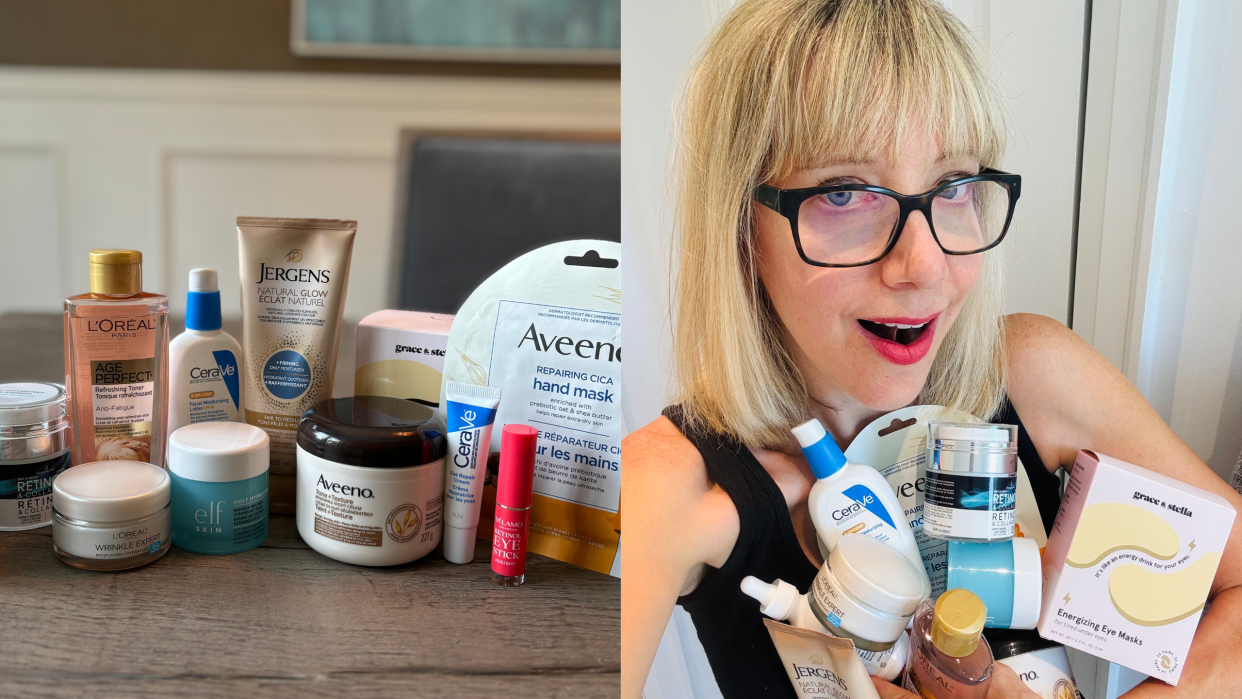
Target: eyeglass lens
(853, 227)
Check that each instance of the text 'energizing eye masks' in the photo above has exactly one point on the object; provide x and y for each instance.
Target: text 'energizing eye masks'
(1129, 564)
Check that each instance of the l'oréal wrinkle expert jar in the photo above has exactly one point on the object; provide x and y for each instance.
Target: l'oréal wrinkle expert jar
(111, 515)
(370, 480)
(33, 451)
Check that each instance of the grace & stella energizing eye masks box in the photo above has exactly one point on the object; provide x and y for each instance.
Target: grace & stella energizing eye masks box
(1129, 564)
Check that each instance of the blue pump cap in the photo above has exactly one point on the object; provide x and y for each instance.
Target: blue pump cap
(820, 449)
(202, 303)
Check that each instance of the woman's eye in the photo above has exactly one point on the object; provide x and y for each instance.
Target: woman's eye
(954, 192)
(839, 198)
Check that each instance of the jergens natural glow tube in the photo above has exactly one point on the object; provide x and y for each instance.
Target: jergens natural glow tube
(294, 272)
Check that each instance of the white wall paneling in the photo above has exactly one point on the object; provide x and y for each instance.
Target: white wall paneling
(1035, 53)
(31, 193)
(1190, 357)
(164, 161)
(1127, 98)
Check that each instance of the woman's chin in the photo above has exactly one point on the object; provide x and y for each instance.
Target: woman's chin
(889, 396)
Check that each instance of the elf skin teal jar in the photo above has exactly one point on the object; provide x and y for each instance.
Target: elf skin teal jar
(219, 487)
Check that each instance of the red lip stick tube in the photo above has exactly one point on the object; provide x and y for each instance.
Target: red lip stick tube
(513, 495)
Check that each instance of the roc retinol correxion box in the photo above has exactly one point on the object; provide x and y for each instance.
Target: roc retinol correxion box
(400, 354)
(1129, 563)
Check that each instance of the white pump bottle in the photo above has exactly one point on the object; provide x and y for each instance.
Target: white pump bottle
(204, 362)
(851, 498)
(780, 600)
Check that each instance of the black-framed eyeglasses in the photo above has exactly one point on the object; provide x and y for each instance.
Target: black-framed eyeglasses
(851, 225)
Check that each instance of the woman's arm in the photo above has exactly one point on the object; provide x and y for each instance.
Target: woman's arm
(676, 521)
(1070, 398)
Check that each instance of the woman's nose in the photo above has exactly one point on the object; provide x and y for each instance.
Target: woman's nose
(916, 259)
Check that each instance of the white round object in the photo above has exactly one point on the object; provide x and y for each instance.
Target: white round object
(111, 491)
(978, 434)
(1028, 584)
(369, 516)
(219, 452)
(203, 280)
(878, 574)
(31, 403)
(809, 432)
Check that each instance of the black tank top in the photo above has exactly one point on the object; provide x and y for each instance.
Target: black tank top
(728, 622)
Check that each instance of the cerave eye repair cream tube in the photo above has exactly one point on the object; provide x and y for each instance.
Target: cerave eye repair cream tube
(401, 354)
(470, 412)
(1129, 564)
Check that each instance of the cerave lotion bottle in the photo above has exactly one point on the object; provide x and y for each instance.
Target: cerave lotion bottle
(205, 369)
(851, 498)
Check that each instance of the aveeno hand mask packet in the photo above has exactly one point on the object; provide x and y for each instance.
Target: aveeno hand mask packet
(820, 666)
(546, 331)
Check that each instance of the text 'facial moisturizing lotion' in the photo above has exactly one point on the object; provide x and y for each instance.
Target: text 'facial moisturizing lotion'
(851, 498)
(205, 369)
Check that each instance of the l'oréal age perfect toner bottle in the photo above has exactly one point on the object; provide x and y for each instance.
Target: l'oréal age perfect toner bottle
(116, 364)
(949, 658)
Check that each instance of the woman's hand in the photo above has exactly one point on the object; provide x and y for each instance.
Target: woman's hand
(1005, 685)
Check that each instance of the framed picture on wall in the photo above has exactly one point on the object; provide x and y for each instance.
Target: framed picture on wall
(505, 31)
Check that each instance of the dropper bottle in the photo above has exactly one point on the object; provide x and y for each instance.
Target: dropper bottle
(781, 601)
(949, 658)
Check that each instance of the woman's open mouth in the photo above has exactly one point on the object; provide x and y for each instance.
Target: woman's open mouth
(900, 340)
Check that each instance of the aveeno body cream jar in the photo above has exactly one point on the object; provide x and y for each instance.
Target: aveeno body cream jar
(111, 515)
(370, 480)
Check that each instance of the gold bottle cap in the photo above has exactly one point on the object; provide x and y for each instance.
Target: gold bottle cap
(116, 272)
(957, 622)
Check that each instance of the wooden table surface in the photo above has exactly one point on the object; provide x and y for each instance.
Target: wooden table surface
(283, 620)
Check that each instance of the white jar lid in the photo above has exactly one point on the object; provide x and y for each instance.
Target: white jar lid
(31, 403)
(218, 452)
(111, 491)
(878, 574)
(1028, 584)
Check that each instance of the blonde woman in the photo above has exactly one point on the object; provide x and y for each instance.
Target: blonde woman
(840, 229)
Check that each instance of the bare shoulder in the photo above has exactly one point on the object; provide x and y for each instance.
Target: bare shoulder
(669, 498)
(1051, 370)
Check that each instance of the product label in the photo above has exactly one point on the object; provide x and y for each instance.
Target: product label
(219, 517)
(213, 384)
(1046, 672)
(824, 600)
(970, 507)
(26, 490)
(928, 682)
(468, 460)
(123, 400)
(562, 369)
(293, 288)
(398, 510)
(509, 542)
(106, 544)
(401, 363)
(858, 510)
(910, 484)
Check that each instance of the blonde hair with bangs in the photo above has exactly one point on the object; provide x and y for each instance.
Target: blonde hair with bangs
(790, 84)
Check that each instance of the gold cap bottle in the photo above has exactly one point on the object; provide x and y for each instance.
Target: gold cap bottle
(957, 622)
(116, 272)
